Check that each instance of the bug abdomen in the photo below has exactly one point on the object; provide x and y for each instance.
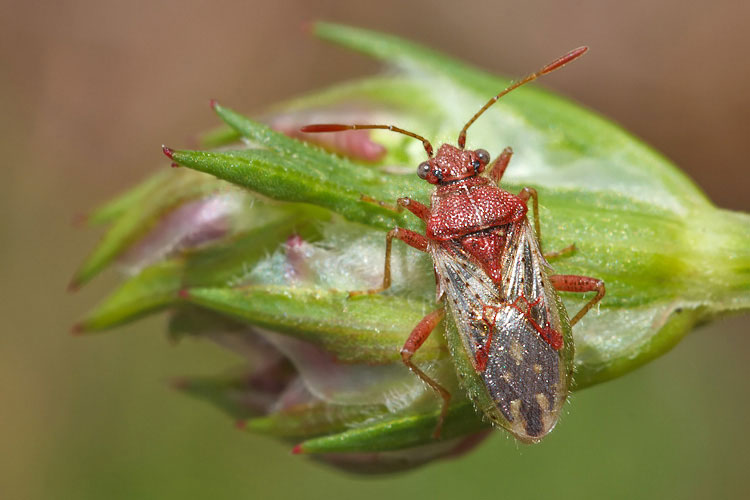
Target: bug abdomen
(522, 374)
(501, 338)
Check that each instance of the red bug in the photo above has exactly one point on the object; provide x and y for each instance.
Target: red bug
(512, 344)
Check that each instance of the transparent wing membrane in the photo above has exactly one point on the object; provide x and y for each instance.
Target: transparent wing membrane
(509, 333)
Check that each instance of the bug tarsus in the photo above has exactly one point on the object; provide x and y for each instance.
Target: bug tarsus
(412, 239)
(560, 253)
(369, 199)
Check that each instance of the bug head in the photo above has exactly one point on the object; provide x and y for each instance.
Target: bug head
(450, 164)
(453, 164)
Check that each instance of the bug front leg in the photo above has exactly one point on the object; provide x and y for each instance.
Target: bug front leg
(498, 167)
(413, 206)
(369, 199)
(580, 284)
(417, 337)
(412, 239)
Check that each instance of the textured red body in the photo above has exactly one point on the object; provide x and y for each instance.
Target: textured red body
(471, 205)
(470, 209)
(493, 276)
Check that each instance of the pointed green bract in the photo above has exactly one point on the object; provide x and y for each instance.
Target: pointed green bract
(158, 285)
(400, 432)
(228, 393)
(366, 329)
(271, 175)
(134, 213)
(313, 419)
(127, 200)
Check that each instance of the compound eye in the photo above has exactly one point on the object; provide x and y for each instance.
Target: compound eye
(423, 169)
(483, 156)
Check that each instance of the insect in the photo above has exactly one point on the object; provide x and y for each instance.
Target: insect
(510, 338)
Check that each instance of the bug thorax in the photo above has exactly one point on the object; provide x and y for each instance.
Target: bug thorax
(451, 164)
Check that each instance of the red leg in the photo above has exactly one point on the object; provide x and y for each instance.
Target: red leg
(581, 284)
(415, 207)
(417, 337)
(416, 240)
(498, 167)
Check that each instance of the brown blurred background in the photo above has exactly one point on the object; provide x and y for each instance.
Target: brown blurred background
(90, 90)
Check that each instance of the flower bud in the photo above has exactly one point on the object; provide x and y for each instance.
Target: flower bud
(259, 256)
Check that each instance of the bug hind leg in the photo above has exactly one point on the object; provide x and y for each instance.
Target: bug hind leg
(580, 284)
(416, 338)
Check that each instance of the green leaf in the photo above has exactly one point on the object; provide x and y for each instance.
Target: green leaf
(398, 433)
(129, 199)
(273, 176)
(187, 321)
(158, 285)
(290, 170)
(313, 419)
(220, 136)
(227, 393)
(134, 213)
(369, 329)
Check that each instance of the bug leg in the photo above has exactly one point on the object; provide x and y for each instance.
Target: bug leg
(581, 284)
(416, 240)
(559, 253)
(417, 337)
(415, 207)
(525, 194)
(530, 193)
(498, 167)
(375, 201)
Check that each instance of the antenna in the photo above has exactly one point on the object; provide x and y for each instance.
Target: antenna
(557, 63)
(334, 127)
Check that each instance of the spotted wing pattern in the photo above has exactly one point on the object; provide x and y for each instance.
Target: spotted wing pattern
(505, 332)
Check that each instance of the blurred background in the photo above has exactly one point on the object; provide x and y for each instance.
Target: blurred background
(91, 89)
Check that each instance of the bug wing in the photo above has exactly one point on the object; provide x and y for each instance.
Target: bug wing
(515, 376)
